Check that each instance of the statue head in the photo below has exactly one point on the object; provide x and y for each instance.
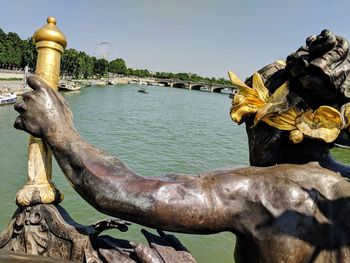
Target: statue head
(304, 98)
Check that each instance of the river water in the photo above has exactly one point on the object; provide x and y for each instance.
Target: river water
(168, 130)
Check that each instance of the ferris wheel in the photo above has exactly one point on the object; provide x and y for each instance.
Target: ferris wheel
(105, 50)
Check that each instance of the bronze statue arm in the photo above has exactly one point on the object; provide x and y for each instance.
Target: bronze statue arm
(237, 200)
(174, 202)
(183, 203)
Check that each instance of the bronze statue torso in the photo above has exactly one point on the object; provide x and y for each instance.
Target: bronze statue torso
(305, 218)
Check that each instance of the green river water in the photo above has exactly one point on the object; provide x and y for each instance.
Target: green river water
(167, 130)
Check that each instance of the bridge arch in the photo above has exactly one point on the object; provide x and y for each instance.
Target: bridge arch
(197, 86)
(180, 85)
(165, 83)
(216, 89)
(219, 89)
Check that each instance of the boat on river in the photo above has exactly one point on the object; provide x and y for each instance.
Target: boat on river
(143, 91)
(8, 98)
(226, 91)
(69, 86)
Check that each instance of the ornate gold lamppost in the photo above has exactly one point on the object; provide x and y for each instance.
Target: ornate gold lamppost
(50, 43)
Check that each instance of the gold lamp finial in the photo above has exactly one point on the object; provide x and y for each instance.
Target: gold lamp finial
(39, 189)
(50, 32)
(51, 20)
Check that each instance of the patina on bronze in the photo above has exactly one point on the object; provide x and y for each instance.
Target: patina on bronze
(47, 230)
(284, 213)
(296, 211)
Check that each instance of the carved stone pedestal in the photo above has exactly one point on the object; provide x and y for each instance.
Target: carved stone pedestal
(48, 230)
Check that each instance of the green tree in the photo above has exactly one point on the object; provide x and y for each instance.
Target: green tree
(2, 48)
(69, 64)
(94, 61)
(13, 48)
(118, 66)
(101, 67)
(142, 73)
(89, 68)
(18, 53)
(182, 76)
(29, 54)
(84, 66)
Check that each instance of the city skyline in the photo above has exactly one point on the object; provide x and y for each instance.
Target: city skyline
(203, 37)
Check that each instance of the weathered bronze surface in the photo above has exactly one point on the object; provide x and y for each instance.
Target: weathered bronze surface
(16, 257)
(50, 43)
(47, 230)
(293, 212)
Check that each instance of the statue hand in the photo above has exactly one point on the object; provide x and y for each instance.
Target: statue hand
(43, 111)
(146, 254)
(111, 223)
(322, 65)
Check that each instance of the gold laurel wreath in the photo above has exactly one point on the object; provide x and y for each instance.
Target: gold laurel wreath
(324, 123)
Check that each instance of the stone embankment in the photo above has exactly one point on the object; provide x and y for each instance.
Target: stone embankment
(12, 81)
(12, 86)
(104, 81)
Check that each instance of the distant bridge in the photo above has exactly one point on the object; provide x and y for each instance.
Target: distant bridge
(190, 85)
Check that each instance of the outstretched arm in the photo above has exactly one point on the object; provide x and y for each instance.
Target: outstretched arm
(232, 200)
(172, 202)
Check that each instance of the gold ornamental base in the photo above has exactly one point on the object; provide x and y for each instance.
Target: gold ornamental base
(32, 194)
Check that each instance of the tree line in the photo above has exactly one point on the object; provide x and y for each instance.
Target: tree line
(16, 53)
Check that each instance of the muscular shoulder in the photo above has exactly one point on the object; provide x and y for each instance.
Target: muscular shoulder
(286, 176)
(271, 192)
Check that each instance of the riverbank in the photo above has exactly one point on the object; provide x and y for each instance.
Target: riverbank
(13, 81)
(115, 80)
(13, 86)
(17, 85)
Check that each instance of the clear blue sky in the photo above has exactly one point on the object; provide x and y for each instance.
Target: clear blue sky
(198, 36)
